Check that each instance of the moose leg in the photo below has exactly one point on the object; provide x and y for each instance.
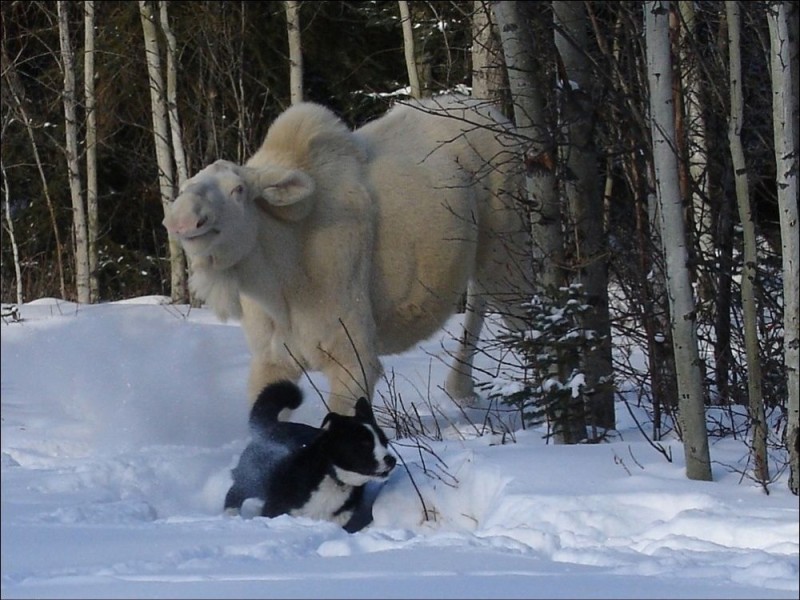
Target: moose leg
(460, 385)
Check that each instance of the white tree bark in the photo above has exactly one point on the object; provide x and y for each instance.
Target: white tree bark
(91, 144)
(682, 308)
(540, 178)
(487, 61)
(409, 49)
(697, 156)
(786, 158)
(749, 270)
(295, 51)
(161, 137)
(179, 154)
(529, 118)
(178, 263)
(793, 15)
(80, 234)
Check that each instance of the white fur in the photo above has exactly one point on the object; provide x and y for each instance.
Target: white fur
(325, 501)
(335, 246)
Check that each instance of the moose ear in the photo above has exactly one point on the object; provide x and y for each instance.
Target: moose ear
(281, 192)
(284, 187)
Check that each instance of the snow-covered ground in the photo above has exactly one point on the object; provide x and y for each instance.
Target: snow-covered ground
(121, 421)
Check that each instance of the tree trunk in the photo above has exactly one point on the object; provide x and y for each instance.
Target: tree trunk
(540, 178)
(539, 156)
(161, 139)
(487, 60)
(585, 202)
(723, 355)
(749, 270)
(172, 96)
(682, 309)
(696, 148)
(91, 145)
(295, 51)
(783, 122)
(71, 149)
(409, 50)
(182, 168)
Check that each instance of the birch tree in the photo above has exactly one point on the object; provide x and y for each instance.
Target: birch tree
(409, 49)
(80, 235)
(783, 124)
(295, 51)
(161, 137)
(530, 125)
(530, 118)
(696, 145)
(583, 193)
(179, 154)
(91, 144)
(179, 265)
(487, 61)
(673, 234)
(750, 259)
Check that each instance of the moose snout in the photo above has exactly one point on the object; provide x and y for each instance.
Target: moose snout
(185, 226)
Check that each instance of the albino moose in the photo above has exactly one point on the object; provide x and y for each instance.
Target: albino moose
(335, 246)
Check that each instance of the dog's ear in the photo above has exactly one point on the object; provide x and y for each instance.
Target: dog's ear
(364, 409)
(328, 420)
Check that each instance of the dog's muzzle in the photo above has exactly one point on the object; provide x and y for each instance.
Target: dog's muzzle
(390, 462)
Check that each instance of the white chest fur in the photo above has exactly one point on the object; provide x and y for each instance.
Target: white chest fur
(325, 501)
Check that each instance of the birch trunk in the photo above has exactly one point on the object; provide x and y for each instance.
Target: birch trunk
(91, 144)
(749, 269)
(539, 157)
(409, 50)
(682, 308)
(584, 197)
(295, 51)
(540, 178)
(783, 122)
(487, 71)
(697, 152)
(161, 139)
(80, 234)
(178, 153)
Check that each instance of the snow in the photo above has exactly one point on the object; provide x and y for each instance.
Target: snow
(121, 422)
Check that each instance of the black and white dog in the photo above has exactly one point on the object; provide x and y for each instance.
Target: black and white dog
(297, 469)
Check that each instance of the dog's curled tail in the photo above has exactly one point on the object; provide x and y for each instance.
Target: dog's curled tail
(273, 399)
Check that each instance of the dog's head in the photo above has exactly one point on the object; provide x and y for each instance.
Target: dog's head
(357, 447)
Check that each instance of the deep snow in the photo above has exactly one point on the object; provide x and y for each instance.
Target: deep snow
(121, 421)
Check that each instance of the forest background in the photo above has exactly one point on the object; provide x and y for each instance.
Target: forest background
(108, 106)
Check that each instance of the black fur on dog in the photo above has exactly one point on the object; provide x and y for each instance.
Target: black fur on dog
(302, 470)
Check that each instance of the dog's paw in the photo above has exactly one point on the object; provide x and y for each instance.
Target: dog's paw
(251, 507)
